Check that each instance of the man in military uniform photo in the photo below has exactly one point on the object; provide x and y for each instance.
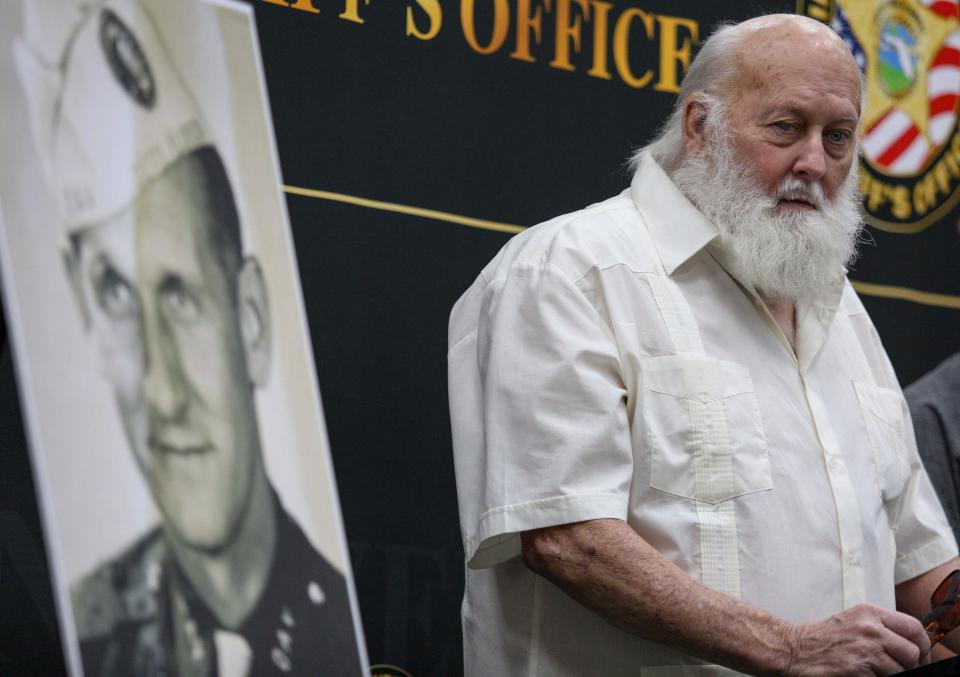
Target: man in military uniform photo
(227, 583)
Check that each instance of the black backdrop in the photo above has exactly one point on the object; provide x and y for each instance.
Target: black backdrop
(363, 110)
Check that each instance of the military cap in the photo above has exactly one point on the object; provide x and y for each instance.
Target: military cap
(108, 109)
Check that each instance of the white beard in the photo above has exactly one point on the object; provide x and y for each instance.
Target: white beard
(781, 253)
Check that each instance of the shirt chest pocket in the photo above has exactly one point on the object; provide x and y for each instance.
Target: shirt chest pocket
(882, 412)
(704, 429)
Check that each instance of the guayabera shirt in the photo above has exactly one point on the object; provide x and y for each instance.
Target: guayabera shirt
(606, 364)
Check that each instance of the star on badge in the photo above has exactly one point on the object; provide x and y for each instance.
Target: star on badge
(912, 68)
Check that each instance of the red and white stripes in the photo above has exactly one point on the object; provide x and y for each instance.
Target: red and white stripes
(893, 142)
(945, 8)
(943, 89)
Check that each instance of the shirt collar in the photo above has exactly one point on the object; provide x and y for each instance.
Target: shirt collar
(679, 230)
(814, 314)
(677, 227)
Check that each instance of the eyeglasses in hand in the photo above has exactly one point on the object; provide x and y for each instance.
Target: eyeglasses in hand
(944, 613)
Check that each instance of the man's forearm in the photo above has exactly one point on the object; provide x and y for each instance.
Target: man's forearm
(607, 567)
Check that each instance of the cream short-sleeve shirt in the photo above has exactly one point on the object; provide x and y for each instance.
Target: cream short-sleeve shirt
(606, 365)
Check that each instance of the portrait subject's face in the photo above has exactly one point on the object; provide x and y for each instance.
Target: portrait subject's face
(163, 312)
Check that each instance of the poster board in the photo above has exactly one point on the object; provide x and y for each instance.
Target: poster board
(123, 466)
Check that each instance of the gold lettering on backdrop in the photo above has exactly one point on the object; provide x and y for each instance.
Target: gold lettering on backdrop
(567, 31)
(924, 195)
(621, 46)
(501, 25)
(434, 14)
(908, 202)
(900, 198)
(600, 26)
(351, 11)
(527, 22)
(582, 30)
(819, 10)
(303, 5)
(671, 53)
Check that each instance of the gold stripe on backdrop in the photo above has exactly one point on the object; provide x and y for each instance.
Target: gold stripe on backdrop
(404, 209)
(906, 294)
(866, 288)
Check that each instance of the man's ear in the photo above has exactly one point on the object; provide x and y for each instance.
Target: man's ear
(253, 308)
(694, 119)
(74, 271)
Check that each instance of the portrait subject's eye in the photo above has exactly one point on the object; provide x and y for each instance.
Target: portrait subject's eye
(178, 301)
(115, 295)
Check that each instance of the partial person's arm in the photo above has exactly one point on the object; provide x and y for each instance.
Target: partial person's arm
(937, 457)
(606, 566)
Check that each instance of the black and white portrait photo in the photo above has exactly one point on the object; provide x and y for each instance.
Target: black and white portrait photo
(151, 290)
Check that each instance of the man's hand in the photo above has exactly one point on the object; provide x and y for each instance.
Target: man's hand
(863, 640)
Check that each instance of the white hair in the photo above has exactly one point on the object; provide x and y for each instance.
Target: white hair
(710, 76)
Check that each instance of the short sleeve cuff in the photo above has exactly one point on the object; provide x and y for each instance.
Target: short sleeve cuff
(912, 564)
(497, 537)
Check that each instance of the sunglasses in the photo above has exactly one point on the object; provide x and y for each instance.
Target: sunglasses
(944, 613)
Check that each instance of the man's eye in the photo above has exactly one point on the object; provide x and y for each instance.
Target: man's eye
(838, 137)
(116, 296)
(785, 126)
(179, 302)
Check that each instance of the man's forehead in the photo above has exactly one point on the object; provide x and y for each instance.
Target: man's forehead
(114, 234)
(163, 224)
(781, 54)
(772, 30)
(173, 222)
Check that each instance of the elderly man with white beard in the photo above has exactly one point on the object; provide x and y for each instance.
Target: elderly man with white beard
(680, 447)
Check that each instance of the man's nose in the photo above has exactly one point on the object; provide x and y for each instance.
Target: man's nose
(165, 386)
(811, 161)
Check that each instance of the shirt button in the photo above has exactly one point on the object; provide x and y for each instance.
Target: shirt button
(851, 558)
(834, 463)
